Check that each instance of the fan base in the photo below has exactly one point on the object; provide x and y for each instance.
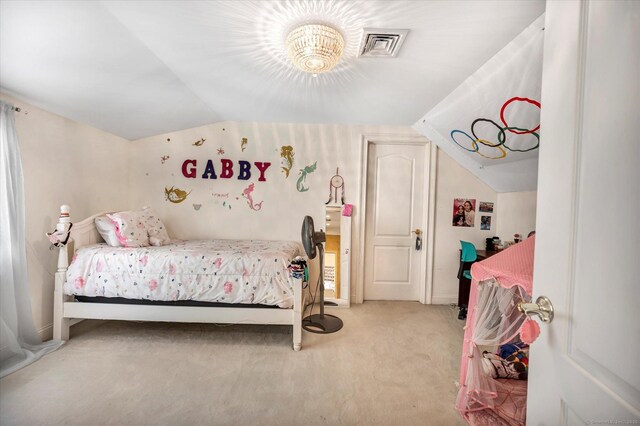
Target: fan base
(322, 324)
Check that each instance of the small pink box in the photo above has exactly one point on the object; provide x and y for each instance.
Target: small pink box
(347, 209)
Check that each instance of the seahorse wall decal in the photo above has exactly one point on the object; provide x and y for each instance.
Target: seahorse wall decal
(247, 194)
(287, 154)
(303, 176)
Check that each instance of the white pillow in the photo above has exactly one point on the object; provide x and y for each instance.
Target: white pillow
(131, 230)
(107, 229)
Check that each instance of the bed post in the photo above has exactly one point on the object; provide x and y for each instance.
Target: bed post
(60, 323)
(297, 313)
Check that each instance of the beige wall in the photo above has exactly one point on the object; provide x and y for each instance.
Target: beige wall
(64, 162)
(454, 181)
(283, 208)
(516, 214)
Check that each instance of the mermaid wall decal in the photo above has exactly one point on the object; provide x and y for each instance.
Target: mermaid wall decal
(246, 193)
(303, 177)
(287, 153)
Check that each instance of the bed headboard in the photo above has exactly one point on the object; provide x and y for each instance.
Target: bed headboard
(83, 233)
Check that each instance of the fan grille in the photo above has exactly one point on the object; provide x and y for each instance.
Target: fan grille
(379, 43)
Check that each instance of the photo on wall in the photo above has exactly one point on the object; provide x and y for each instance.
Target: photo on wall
(464, 212)
(485, 223)
(485, 207)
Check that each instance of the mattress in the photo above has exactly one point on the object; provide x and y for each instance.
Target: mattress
(219, 271)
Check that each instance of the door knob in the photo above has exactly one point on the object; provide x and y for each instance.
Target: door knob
(543, 308)
(418, 232)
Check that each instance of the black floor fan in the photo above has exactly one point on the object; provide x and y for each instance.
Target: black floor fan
(312, 241)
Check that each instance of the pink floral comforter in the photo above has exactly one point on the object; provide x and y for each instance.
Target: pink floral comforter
(224, 271)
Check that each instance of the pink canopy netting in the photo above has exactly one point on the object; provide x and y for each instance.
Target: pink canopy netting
(499, 283)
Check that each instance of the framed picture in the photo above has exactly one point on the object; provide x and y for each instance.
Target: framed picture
(464, 212)
(485, 223)
(485, 207)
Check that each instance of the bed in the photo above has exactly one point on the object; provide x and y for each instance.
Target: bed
(203, 281)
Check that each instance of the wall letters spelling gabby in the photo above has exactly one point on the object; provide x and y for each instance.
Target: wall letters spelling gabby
(189, 169)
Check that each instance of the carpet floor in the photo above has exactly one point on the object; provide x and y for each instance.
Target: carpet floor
(392, 363)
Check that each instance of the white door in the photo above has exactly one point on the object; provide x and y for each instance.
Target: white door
(584, 367)
(395, 209)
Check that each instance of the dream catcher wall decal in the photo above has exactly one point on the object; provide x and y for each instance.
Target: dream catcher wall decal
(336, 183)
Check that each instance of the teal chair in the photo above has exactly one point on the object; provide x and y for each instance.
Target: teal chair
(468, 256)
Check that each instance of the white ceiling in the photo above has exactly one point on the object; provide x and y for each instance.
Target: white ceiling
(141, 68)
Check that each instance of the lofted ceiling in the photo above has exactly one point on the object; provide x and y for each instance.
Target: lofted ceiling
(141, 68)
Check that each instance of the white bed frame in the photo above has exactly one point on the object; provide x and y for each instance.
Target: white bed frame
(65, 308)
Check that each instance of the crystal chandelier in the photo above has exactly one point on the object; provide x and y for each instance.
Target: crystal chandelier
(315, 48)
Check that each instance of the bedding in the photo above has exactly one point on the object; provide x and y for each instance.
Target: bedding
(222, 271)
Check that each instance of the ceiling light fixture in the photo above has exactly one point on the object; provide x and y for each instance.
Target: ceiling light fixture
(315, 48)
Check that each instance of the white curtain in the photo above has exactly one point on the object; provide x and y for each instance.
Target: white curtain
(20, 344)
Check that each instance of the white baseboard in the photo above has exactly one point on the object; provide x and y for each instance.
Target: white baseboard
(445, 300)
(46, 332)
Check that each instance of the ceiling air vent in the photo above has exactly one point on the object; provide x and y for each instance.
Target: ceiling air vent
(377, 43)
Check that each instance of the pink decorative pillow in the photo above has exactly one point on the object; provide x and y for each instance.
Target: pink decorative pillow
(130, 228)
(158, 235)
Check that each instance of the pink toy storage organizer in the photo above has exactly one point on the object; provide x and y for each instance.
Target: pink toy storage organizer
(499, 283)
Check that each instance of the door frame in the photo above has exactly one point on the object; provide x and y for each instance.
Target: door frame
(429, 195)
